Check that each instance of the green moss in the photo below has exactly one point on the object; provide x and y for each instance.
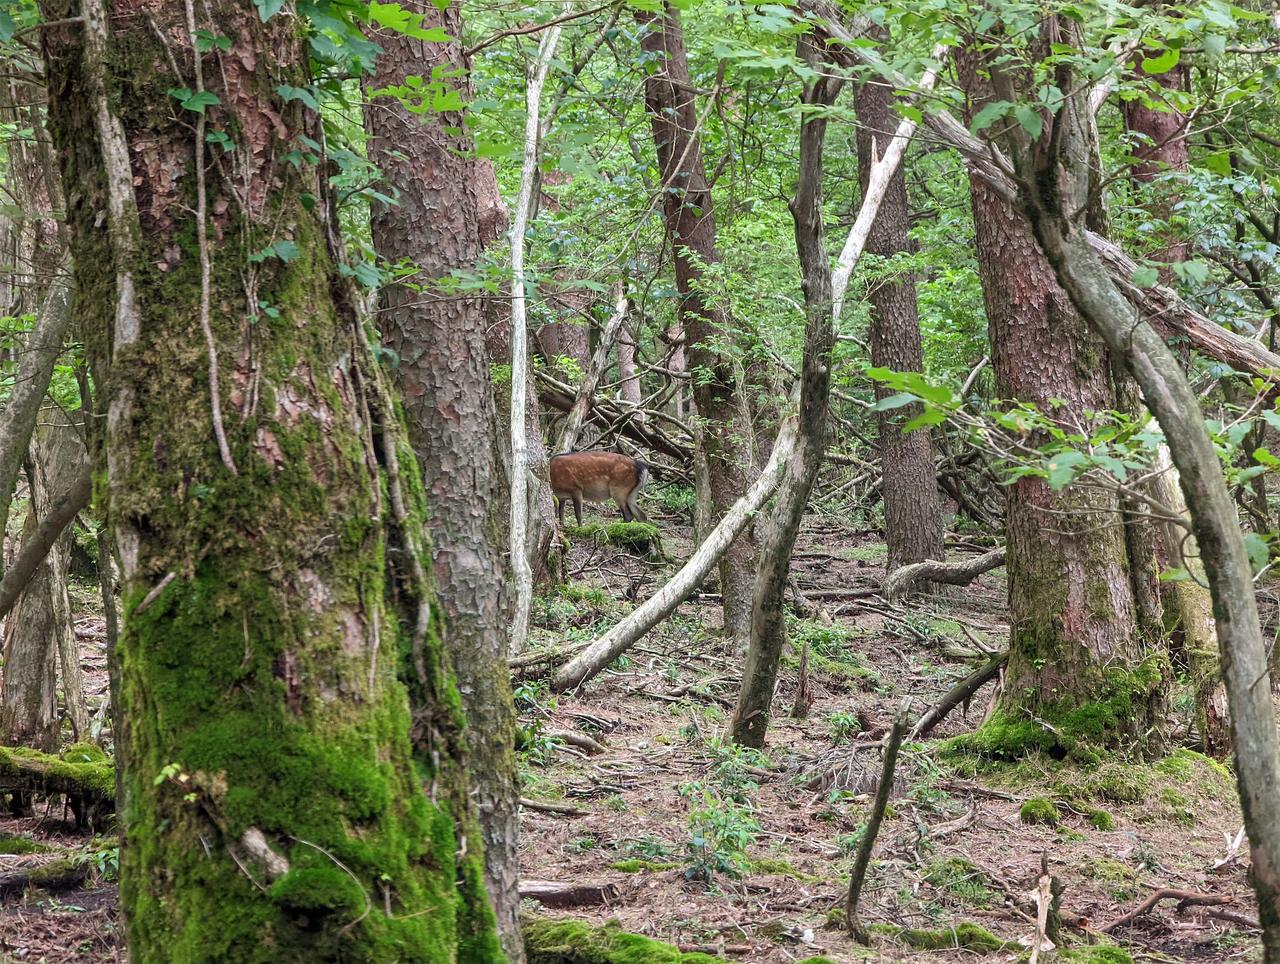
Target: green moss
(961, 880)
(817, 960)
(780, 868)
(1101, 820)
(1040, 810)
(1112, 781)
(625, 535)
(320, 891)
(55, 874)
(56, 775)
(1100, 954)
(21, 845)
(85, 753)
(965, 935)
(549, 941)
(636, 866)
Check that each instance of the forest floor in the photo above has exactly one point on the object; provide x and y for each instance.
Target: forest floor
(715, 848)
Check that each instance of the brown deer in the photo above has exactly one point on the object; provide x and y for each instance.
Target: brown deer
(597, 477)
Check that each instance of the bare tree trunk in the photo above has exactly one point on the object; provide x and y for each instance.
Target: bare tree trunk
(536, 75)
(1074, 639)
(691, 227)
(591, 373)
(768, 625)
(1055, 185)
(912, 516)
(628, 380)
(443, 377)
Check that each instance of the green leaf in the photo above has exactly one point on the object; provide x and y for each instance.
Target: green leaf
(1062, 468)
(283, 250)
(1215, 45)
(290, 93)
(1146, 277)
(221, 139)
(989, 115)
(1161, 64)
(7, 27)
(268, 8)
(1174, 575)
(194, 102)
(1029, 119)
(899, 400)
(1259, 553)
(206, 41)
(394, 17)
(1194, 272)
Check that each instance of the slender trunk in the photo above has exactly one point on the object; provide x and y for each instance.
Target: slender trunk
(912, 516)
(768, 624)
(592, 371)
(691, 226)
(270, 759)
(628, 380)
(1055, 181)
(520, 465)
(443, 377)
(1076, 658)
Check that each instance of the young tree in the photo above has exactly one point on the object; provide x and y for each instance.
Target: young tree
(1077, 658)
(437, 227)
(266, 513)
(913, 528)
(705, 322)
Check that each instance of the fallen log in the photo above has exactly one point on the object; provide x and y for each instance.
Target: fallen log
(551, 893)
(550, 806)
(54, 876)
(89, 786)
(952, 573)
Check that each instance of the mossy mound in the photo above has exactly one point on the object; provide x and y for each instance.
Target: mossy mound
(11, 845)
(634, 866)
(1102, 954)
(84, 783)
(1041, 811)
(1085, 733)
(961, 881)
(85, 753)
(549, 941)
(637, 536)
(780, 868)
(963, 936)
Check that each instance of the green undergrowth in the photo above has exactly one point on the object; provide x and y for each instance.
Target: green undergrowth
(831, 653)
(637, 866)
(640, 536)
(548, 941)
(958, 880)
(11, 845)
(1098, 954)
(963, 936)
(774, 867)
(1168, 790)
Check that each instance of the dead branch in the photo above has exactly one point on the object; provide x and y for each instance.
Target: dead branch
(548, 806)
(952, 573)
(962, 692)
(35, 549)
(1185, 898)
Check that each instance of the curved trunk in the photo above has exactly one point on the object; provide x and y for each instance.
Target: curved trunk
(273, 773)
(443, 377)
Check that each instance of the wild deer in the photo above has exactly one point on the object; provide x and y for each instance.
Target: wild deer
(597, 477)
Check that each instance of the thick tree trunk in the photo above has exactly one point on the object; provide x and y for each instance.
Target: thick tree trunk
(443, 377)
(1076, 659)
(691, 227)
(912, 516)
(272, 802)
(768, 623)
(1055, 179)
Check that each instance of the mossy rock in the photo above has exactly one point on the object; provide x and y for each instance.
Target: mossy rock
(959, 879)
(633, 536)
(965, 935)
(1101, 820)
(1040, 810)
(548, 941)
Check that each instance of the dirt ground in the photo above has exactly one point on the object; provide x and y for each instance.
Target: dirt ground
(728, 851)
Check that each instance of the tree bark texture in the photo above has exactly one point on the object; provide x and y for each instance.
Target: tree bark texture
(768, 622)
(706, 323)
(1055, 180)
(280, 799)
(443, 377)
(1076, 659)
(912, 516)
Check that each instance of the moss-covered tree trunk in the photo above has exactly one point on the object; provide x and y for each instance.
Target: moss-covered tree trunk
(274, 809)
(1079, 675)
(443, 374)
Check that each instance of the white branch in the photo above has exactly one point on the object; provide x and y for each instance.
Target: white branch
(537, 77)
(882, 171)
